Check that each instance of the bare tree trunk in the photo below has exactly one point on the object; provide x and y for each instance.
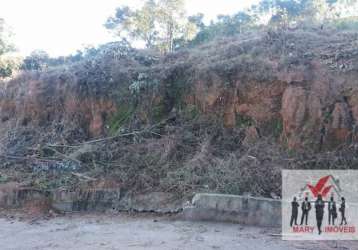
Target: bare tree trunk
(170, 36)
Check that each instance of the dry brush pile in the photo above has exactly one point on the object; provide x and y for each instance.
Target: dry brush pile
(129, 117)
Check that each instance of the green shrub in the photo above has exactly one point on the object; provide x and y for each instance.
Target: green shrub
(3, 179)
(122, 116)
(273, 127)
(349, 23)
(190, 112)
(243, 121)
(159, 112)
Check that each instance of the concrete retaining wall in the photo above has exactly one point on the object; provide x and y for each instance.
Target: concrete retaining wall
(232, 208)
(13, 196)
(85, 200)
(212, 207)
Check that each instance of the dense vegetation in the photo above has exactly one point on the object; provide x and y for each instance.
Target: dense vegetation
(7, 64)
(164, 25)
(159, 118)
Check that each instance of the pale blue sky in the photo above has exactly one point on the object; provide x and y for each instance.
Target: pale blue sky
(60, 27)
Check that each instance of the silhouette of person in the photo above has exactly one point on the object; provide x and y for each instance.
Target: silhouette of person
(342, 209)
(332, 211)
(319, 206)
(306, 207)
(294, 212)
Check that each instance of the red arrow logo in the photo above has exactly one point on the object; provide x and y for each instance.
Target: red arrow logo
(319, 188)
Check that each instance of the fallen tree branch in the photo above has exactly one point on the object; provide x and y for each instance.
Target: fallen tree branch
(65, 156)
(148, 130)
(83, 176)
(96, 140)
(15, 157)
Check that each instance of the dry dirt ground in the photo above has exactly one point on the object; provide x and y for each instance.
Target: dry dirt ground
(124, 231)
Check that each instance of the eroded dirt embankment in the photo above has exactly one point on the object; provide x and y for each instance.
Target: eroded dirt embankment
(197, 119)
(300, 85)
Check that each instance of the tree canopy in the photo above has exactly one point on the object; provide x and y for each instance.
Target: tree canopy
(158, 23)
(7, 64)
(165, 26)
(277, 14)
(37, 60)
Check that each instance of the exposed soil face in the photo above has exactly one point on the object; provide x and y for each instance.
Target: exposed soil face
(305, 79)
(222, 117)
(43, 104)
(142, 232)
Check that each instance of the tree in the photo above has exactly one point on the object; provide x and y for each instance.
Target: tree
(157, 23)
(5, 44)
(37, 60)
(304, 10)
(242, 20)
(198, 20)
(7, 64)
(136, 25)
(225, 25)
(283, 11)
(171, 21)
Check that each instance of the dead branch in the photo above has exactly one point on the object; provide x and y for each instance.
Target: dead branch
(65, 156)
(15, 157)
(83, 176)
(147, 130)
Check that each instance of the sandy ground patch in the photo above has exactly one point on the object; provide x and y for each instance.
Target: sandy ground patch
(123, 231)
